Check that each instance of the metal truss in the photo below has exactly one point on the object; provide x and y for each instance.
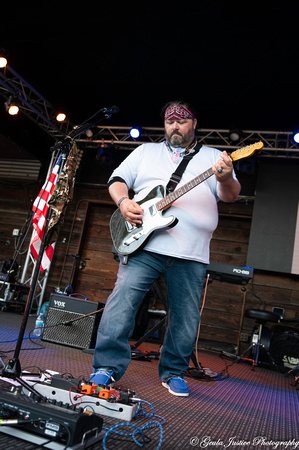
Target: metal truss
(32, 104)
(39, 110)
(276, 143)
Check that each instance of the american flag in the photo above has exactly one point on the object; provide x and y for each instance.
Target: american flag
(40, 208)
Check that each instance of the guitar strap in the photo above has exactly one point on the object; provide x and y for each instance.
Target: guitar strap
(177, 175)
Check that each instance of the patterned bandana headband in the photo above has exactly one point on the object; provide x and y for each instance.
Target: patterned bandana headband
(178, 112)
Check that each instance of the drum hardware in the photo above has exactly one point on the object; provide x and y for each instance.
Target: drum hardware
(261, 336)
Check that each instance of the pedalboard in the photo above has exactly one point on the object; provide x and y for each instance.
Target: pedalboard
(72, 393)
(65, 411)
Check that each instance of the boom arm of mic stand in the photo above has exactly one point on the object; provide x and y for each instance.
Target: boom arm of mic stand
(70, 322)
(87, 125)
(81, 129)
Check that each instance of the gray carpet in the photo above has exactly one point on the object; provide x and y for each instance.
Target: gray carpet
(240, 409)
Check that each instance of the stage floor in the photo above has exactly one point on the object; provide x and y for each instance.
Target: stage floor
(241, 408)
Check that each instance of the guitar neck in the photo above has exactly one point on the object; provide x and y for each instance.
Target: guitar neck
(243, 152)
(167, 201)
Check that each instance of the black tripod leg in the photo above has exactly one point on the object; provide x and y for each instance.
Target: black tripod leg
(149, 333)
(272, 361)
(244, 353)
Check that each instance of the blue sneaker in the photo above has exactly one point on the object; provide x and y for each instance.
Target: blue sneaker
(177, 386)
(102, 376)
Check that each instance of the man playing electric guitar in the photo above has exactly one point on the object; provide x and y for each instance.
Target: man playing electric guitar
(179, 253)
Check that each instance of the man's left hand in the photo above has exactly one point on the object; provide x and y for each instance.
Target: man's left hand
(223, 168)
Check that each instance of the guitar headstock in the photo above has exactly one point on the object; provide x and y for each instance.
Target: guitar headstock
(247, 151)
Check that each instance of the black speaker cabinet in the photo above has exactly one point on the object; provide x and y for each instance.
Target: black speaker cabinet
(79, 333)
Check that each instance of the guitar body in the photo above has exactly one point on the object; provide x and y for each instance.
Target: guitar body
(127, 238)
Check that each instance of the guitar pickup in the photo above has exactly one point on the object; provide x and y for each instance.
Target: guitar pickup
(129, 227)
(133, 238)
(152, 210)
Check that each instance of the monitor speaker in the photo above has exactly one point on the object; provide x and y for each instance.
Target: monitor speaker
(67, 324)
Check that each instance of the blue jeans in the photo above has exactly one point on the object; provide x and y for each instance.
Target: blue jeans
(184, 281)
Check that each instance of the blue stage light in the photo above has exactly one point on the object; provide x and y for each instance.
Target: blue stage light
(134, 133)
(296, 137)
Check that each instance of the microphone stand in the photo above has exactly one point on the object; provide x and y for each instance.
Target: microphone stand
(13, 368)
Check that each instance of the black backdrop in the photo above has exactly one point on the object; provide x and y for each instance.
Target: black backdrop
(273, 228)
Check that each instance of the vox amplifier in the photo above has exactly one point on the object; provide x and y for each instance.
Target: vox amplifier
(70, 321)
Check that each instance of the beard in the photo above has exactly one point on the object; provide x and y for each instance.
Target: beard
(176, 139)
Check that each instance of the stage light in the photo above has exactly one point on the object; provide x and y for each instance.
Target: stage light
(60, 117)
(12, 106)
(3, 59)
(234, 135)
(3, 62)
(296, 137)
(134, 133)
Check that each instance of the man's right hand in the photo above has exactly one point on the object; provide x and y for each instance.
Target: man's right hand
(132, 212)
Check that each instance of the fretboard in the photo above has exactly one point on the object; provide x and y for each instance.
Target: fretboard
(165, 202)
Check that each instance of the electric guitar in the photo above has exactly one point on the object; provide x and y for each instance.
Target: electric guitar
(128, 238)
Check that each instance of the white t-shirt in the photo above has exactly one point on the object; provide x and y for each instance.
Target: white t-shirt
(150, 165)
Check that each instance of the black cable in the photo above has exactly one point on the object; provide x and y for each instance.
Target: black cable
(255, 295)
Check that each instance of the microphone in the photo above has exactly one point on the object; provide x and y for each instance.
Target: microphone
(110, 110)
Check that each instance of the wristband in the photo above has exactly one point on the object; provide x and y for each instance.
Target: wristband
(119, 202)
